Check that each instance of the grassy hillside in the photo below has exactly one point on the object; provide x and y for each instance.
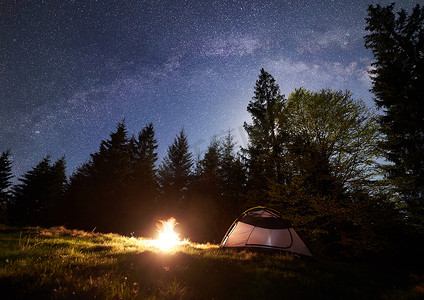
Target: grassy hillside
(59, 263)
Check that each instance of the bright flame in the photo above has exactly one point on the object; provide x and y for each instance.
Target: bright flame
(167, 237)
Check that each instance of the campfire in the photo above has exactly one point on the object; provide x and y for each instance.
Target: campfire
(168, 238)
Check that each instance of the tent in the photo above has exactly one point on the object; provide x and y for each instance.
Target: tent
(263, 228)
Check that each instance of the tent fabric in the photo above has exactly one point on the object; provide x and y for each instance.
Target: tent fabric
(263, 228)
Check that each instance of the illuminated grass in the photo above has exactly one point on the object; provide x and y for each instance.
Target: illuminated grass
(60, 263)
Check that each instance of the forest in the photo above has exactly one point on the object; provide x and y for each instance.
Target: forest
(350, 179)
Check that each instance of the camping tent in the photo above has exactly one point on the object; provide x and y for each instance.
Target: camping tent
(263, 228)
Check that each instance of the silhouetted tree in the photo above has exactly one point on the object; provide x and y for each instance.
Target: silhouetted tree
(397, 42)
(98, 190)
(232, 177)
(116, 188)
(210, 164)
(215, 191)
(263, 154)
(143, 187)
(39, 194)
(205, 196)
(143, 162)
(111, 167)
(175, 172)
(5, 183)
(80, 199)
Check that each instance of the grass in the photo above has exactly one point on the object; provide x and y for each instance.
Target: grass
(57, 263)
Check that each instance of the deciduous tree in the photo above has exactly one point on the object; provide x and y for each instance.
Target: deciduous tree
(330, 142)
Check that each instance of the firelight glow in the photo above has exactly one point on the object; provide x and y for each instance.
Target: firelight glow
(167, 237)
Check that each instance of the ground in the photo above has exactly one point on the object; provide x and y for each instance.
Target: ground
(60, 263)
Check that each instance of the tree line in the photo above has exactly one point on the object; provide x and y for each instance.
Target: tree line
(350, 180)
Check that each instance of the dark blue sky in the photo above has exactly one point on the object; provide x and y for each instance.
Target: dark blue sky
(71, 70)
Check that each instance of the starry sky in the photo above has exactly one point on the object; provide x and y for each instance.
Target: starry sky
(71, 70)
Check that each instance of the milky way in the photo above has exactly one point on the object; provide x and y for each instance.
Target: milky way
(71, 70)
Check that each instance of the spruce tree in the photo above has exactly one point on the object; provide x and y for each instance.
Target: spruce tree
(111, 168)
(206, 194)
(116, 188)
(5, 183)
(98, 192)
(80, 204)
(264, 154)
(210, 164)
(175, 172)
(231, 177)
(143, 161)
(37, 197)
(5, 176)
(397, 42)
(143, 187)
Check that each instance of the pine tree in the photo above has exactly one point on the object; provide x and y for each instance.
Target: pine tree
(111, 169)
(175, 172)
(116, 188)
(264, 153)
(39, 194)
(143, 161)
(231, 177)
(397, 42)
(216, 189)
(210, 164)
(5, 176)
(143, 187)
(112, 160)
(80, 204)
(98, 193)
(205, 194)
(5, 183)
(56, 188)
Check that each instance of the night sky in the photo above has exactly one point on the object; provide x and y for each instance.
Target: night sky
(71, 70)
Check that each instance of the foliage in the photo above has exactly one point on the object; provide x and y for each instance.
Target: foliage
(312, 156)
(330, 146)
(61, 263)
(263, 153)
(175, 172)
(38, 195)
(5, 176)
(215, 191)
(143, 162)
(143, 187)
(5, 182)
(397, 42)
(331, 139)
(119, 182)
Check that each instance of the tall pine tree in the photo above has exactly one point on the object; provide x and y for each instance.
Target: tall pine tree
(205, 195)
(231, 177)
(98, 191)
(143, 162)
(143, 187)
(5, 182)
(264, 154)
(397, 42)
(175, 173)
